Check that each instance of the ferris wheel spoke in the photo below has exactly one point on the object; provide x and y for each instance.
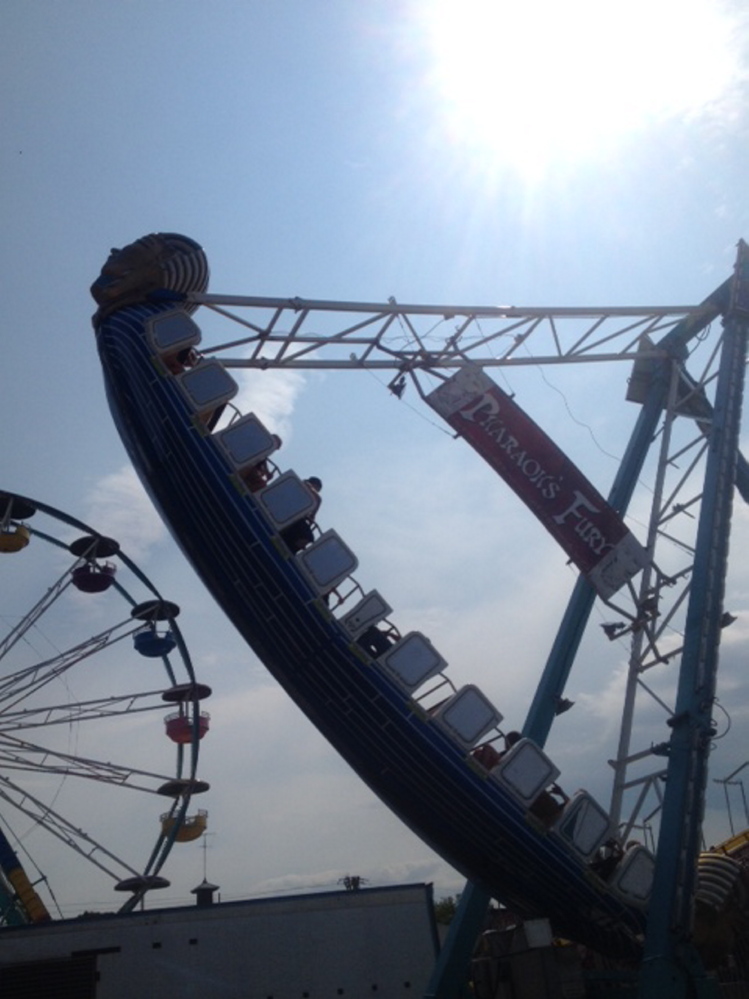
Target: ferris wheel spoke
(20, 684)
(36, 612)
(59, 827)
(76, 711)
(17, 754)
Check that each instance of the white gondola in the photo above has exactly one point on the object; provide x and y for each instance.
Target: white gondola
(526, 771)
(208, 386)
(467, 716)
(584, 824)
(288, 499)
(412, 661)
(370, 610)
(327, 562)
(172, 332)
(633, 877)
(246, 442)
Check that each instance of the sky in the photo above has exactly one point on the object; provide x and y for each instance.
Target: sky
(438, 152)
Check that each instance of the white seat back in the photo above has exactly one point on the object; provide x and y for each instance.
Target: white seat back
(412, 661)
(525, 770)
(370, 610)
(633, 877)
(584, 824)
(246, 442)
(467, 716)
(287, 499)
(207, 386)
(170, 332)
(327, 562)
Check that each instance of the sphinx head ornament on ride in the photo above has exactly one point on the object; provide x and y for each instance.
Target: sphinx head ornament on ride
(163, 261)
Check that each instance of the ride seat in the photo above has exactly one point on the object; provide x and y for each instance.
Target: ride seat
(171, 333)
(287, 499)
(467, 716)
(370, 610)
(246, 442)
(208, 387)
(633, 876)
(584, 824)
(327, 562)
(412, 661)
(525, 770)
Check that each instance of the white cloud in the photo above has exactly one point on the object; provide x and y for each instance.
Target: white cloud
(271, 396)
(426, 870)
(119, 507)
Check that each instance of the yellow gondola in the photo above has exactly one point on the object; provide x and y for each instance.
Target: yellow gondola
(14, 539)
(192, 827)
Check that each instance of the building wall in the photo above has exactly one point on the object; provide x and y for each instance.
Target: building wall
(353, 944)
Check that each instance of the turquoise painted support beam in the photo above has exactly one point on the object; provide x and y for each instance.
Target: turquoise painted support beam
(450, 976)
(668, 950)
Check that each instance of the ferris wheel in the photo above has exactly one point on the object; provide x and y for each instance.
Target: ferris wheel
(101, 721)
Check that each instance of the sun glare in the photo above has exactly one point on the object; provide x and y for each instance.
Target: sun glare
(533, 82)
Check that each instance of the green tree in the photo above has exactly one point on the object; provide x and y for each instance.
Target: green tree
(445, 908)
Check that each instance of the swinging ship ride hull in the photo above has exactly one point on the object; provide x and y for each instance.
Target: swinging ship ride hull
(413, 765)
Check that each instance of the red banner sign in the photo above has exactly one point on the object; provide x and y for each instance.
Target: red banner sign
(579, 518)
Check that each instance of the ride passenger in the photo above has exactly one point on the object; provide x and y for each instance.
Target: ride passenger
(607, 858)
(549, 804)
(375, 641)
(186, 358)
(260, 475)
(488, 756)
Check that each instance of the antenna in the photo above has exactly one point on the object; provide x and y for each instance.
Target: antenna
(204, 848)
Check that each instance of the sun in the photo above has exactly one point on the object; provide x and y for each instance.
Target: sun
(532, 82)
